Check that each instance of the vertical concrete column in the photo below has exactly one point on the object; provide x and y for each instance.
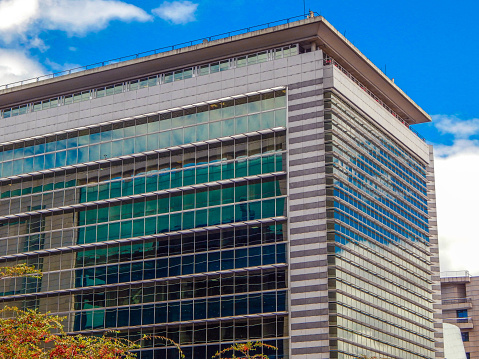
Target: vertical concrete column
(433, 240)
(309, 320)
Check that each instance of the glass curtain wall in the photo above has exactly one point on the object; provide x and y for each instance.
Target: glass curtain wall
(145, 133)
(172, 239)
(380, 285)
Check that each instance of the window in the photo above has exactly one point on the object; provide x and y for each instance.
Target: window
(465, 336)
(468, 355)
(462, 313)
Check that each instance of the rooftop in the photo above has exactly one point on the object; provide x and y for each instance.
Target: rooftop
(312, 29)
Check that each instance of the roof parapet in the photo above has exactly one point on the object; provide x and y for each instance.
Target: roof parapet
(310, 30)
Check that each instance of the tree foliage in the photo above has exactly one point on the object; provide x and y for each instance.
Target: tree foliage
(20, 270)
(28, 334)
(246, 350)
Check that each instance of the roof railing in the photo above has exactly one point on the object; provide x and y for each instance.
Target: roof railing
(457, 273)
(159, 50)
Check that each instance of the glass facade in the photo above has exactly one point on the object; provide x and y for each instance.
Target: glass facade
(169, 224)
(145, 133)
(379, 271)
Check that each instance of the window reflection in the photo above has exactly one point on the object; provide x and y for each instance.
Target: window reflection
(134, 136)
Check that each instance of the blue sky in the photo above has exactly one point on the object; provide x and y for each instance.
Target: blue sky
(428, 47)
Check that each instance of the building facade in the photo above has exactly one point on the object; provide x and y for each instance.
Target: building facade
(265, 186)
(460, 303)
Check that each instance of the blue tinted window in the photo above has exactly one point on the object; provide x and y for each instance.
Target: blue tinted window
(462, 313)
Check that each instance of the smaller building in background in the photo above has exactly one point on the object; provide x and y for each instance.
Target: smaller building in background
(460, 307)
(453, 344)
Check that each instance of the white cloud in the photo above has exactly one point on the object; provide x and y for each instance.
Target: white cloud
(459, 146)
(457, 190)
(22, 22)
(178, 12)
(37, 43)
(20, 17)
(80, 16)
(16, 15)
(455, 126)
(16, 66)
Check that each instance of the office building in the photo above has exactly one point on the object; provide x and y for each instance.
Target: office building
(262, 186)
(460, 307)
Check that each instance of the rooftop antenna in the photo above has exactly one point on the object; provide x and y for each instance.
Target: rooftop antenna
(304, 7)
